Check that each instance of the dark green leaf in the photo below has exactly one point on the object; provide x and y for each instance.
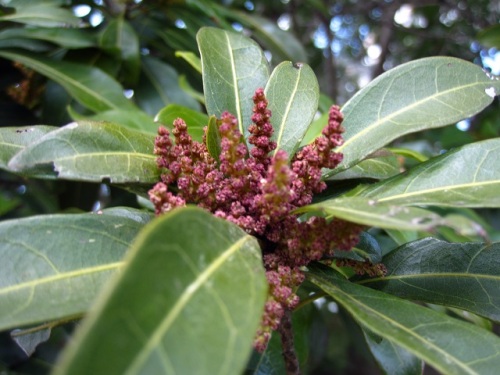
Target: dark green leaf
(233, 68)
(366, 249)
(490, 37)
(468, 176)
(91, 151)
(152, 312)
(379, 167)
(159, 86)
(213, 138)
(293, 95)
(14, 139)
(393, 359)
(64, 37)
(88, 85)
(195, 121)
(40, 282)
(462, 275)
(421, 94)
(451, 346)
(39, 14)
(120, 40)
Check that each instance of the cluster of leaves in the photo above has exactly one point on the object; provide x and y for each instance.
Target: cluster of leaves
(193, 283)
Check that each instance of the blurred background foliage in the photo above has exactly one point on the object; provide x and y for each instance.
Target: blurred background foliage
(124, 61)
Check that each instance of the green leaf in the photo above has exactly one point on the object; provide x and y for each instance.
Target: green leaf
(120, 40)
(293, 95)
(372, 213)
(490, 37)
(451, 346)
(46, 15)
(315, 128)
(422, 94)
(233, 68)
(462, 275)
(378, 167)
(213, 138)
(366, 249)
(14, 139)
(195, 121)
(151, 314)
(91, 151)
(191, 58)
(132, 118)
(39, 280)
(88, 85)
(467, 177)
(391, 358)
(64, 37)
(159, 86)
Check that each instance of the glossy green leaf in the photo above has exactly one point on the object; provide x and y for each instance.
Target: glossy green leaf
(366, 249)
(159, 86)
(191, 58)
(40, 282)
(91, 151)
(451, 346)
(422, 94)
(378, 167)
(234, 66)
(195, 121)
(467, 176)
(293, 95)
(462, 275)
(39, 14)
(213, 138)
(64, 37)
(391, 358)
(372, 213)
(151, 313)
(88, 85)
(14, 139)
(120, 40)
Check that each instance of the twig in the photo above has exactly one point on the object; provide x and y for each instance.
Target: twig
(289, 354)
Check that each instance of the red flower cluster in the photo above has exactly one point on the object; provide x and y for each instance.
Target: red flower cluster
(258, 191)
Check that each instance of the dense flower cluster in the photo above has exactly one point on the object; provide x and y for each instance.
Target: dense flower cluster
(258, 190)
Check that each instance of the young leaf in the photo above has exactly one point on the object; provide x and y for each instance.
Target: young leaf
(191, 58)
(422, 94)
(293, 95)
(88, 85)
(449, 345)
(91, 151)
(14, 139)
(467, 176)
(213, 138)
(233, 66)
(64, 37)
(462, 275)
(151, 315)
(195, 121)
(40, 282)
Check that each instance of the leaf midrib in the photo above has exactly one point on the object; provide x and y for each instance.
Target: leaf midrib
(235, 84)
(176, 309)
(396, 324)
(441, 275)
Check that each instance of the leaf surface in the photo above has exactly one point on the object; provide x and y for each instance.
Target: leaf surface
(39, 14)
(64, 37)
(467, 176)
(195, 121)
(40, 282)
(188, 294)
(451, 346)
(234, 66)
(293, 95)
(90, 86)
(462, 275)
(422, 94)
(91, 151)
(14, 139)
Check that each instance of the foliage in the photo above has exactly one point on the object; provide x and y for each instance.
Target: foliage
(389, 239)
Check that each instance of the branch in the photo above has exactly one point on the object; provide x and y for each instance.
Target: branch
(289, 355)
